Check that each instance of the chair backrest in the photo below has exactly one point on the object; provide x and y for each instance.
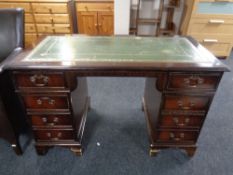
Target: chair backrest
(11, 31)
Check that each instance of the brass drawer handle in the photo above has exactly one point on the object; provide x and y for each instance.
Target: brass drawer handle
(35, 78)
(181, 105)
(86, 8)
(59, 135)
(177, 123)
(41, 99)
(216, 21)
(193, 81)
(174, 138)
(55, 121)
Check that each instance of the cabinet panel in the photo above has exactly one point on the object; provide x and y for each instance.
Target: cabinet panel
(105, 23)
(25, 6)
(30, 39)
(211, 26)
(219, 45)
(50, 8)
(87, 7)
(57, 28)
(52, 18)
(87, 23)
(29, 18)
(30, 28)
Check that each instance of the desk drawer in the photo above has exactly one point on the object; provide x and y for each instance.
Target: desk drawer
(57, 28)
(52, 18)
(186, 102)
(211, 26)
(51, 120)
(175, 136)
(38, 79)
(181, 121)
(54, 135)
(25, 6)
(46, 101)
(193, 81)
(95, 7)
(50, 7)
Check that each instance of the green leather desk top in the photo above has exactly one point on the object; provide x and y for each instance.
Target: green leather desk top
(88, 51)
(116, 49)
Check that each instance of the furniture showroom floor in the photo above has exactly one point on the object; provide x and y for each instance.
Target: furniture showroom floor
(118, 124)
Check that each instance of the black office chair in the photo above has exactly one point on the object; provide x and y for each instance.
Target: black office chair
(11, 44)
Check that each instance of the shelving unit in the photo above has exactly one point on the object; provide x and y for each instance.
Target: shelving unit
(169, 26)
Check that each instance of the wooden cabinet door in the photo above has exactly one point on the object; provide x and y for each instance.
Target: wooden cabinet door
(105, 23)
(87, 23)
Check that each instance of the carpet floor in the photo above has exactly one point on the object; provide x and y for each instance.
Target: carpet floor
(117, 124)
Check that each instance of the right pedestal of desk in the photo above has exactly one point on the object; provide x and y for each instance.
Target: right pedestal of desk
(176, 107)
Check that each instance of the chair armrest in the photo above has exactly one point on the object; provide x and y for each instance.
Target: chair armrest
(10, 58)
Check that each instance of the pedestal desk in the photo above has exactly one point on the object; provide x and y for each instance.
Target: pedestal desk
(181, 80)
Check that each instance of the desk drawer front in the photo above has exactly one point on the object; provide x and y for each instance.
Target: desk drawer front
(193, 81)
(95, 7)
(50, 7)
(181, 121)
(54, 135)
(177, 136)
(39, 80)
(34, 101)
(25, 6)
(52, 18)
(186, 102)
(51, 120)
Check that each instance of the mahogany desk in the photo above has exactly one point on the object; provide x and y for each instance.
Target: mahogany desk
(181, 80)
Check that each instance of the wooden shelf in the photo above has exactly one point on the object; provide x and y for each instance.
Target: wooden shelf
(148, 21)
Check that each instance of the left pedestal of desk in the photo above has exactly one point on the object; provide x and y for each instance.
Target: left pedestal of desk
(56, 104)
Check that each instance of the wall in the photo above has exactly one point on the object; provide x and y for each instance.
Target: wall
(122, 17)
